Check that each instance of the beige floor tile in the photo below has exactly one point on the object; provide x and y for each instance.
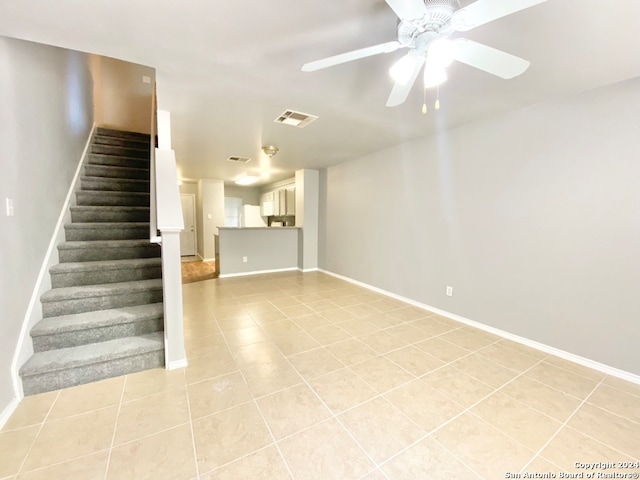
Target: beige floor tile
(517, 420)
(165, 456)
(315, 363)
(616, 401)
(88, 397)
(14, 446)
(360, 310)
(152, 381)
(485, 370)
(263, 318)
(325, 452)
(152, 414)
(439, 348)
(31, 410)
(352, 351)
(336, 315)
(381, 374)
(470, 338)
(291, 344)
(72, 437)
(209, 366)
(380, 428)
(624, 385)
(265, 464)
(245, 336)
(270, 377)
(387, 304)
(408, 332)
(540, 465)
(201, 329)
(308, 298)
(215, 394)
(256, 354)
(375, 475)
(508, 357)
(227, 310)
(284, 301)
(383, 342)
(427, 460)
(280, 328)
(291, 410)
(210, 345)
(432, 326)
(89, 467)
(262, 306)
(321, 306)
(237, 322)
(251, 298)
(543, 398)
(409, 313)
(342, 389)
(311, 322)
(483, 447)
(523, 349)
(346, 301)
(574, 368)
(615, 431)
(423, 404)
(382, 320)
(458, 386)
(357, 326)
(329, 334)
(294, 311)
(571, 446)
(226, 436)
(414, 360)
(562, 380)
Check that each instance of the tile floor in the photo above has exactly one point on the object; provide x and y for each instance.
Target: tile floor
(305, 376)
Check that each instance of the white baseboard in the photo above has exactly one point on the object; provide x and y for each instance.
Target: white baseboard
(307, 270)
(42, 284)
(8, 411)
(601, 367)
(177, 364)
(257, 272)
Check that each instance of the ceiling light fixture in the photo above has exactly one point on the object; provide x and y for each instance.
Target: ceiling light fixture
(270, 150)
(402, 69)
(247, 180)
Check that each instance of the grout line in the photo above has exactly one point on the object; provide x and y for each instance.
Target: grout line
(115, 427)
(24, 459)
(193, 437)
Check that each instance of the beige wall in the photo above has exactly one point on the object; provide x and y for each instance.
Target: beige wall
(121, 99)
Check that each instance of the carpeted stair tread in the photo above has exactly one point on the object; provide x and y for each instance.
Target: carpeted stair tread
(117, 161)
(109, 214)
(66, 358)
(101, 318)
(110, 132)
(89, 291)
(99, 244)
(111, 184)
(115, 150)
(106, 231)
(105, 265)
(107, 198)
(72, 274)
(111, 171)
(141, 143)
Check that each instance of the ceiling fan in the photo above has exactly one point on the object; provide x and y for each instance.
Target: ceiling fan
(425, 27)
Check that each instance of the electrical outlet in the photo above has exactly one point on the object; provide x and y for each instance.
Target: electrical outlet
(449, 291)
(146, 79)
(9, 207)
(244, 259)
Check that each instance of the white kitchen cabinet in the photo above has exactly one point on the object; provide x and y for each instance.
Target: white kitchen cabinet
(278, 203)
(291, 201)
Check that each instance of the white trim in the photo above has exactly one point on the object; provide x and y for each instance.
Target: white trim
(257, 272)
(44, 269)
(601, 367)
(8, 411)
(206, 259)
(307, 270)
(177, 364)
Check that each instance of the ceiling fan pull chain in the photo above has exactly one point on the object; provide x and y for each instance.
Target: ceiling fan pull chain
(424, 103)
(437, 105)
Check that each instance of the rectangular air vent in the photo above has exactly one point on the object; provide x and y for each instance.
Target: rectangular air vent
(296, 119)
(239, 159)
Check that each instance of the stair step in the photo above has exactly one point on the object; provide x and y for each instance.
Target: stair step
(75, 232)
(139, 143)
(106, 250)
(74, 274)
(98, 213)
(114, 184)
(68, 300)
(67, 367)
(122, 151)
(108, 171)
(91, 327)
(110, 132)
(118, 161)
(106, 198)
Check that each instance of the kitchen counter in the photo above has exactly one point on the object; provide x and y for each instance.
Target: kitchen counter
(251, 250)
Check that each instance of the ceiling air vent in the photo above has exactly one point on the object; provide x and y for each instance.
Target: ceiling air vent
(239, 159)
(295, 119)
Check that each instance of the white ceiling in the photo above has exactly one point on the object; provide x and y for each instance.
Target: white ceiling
(226, 69)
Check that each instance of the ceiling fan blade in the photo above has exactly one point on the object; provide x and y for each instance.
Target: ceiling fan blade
(489, 59)
(352, 55)
(400, 92)
(485, 11)
(408, 9)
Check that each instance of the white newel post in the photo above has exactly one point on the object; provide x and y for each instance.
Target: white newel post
(170, 224)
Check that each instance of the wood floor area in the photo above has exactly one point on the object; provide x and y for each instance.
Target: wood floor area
(197, 271)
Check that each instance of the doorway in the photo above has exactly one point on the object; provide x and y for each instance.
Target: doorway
(188, 235)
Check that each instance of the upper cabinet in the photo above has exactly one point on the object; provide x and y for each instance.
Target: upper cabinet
(279, 202)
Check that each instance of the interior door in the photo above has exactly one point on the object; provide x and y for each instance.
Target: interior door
(188, 235)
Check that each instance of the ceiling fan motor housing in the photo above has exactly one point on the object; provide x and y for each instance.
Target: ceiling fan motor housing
(435, 23)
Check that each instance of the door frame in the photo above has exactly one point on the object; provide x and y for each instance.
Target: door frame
(195, 219)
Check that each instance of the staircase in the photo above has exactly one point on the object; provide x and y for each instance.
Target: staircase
(103, 316)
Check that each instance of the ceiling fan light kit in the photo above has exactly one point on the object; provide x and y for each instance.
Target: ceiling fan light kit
(425, 27)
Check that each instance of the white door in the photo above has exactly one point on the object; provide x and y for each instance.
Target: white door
(188, 235)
